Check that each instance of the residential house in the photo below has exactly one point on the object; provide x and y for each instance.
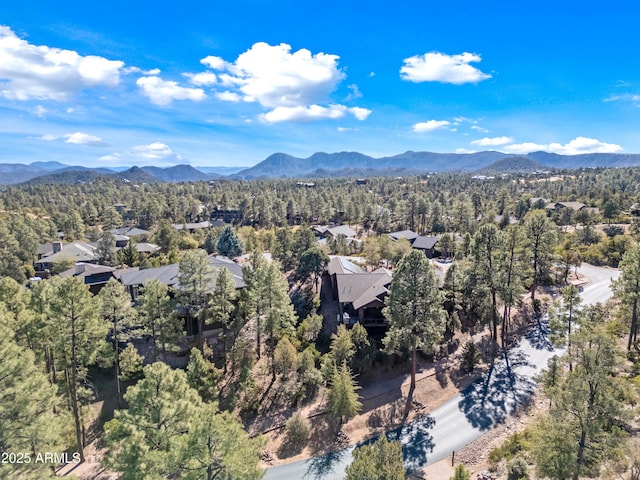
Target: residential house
(409, 235)
(426, 244)
(168, 274)
(57, 251)
(96, 276)
(361, 296)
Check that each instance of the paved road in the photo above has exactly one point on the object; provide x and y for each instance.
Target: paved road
(469, 414)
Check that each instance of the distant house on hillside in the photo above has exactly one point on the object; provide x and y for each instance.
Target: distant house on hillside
(426, 244)
(130, 231)
(192, 227)
(325, 232)
(409, 235)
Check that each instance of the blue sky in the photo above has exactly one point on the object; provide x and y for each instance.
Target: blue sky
(229, 83)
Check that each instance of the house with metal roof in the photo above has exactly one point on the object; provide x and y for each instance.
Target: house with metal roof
(361, 295)
(57, 251)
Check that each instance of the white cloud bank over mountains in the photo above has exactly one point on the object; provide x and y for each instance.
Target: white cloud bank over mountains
(577, 146)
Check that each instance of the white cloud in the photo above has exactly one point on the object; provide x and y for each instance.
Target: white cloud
(480, 129)
(49, 137)
(440, 67)
(312, 112)
(40, 111)
(355, 92)
(211, 61)
(153, 71)
(627, 97)
(464, 150)
(229, 96)
(202, 78)
(291, 85)
(492, 142)
(40, 72)
(577, 146)
(163, 92)
(430, 125)
(151, 154)
(79, 138)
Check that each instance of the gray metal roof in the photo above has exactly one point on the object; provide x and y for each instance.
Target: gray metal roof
(425, 243)
(360, 289)
(168, 274)
(408, 234)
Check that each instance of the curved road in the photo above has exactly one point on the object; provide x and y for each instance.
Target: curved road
(465, 417)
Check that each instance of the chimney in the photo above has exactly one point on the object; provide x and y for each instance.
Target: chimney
(57, 246)
(80, 267)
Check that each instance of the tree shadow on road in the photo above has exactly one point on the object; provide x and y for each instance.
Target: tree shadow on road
(323, 465)
(538, 335)
(498, 393)
(417, 441)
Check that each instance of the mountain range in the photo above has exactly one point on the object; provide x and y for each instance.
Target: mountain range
(345, 164)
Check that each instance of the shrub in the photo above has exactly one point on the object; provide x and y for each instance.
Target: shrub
(297, 432)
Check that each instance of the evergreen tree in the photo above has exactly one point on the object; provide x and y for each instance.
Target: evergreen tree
(313, 263)
(627, 290)
(229, 244)
(196, 277)
(158, 318)
(582, 427)
(217, 447)
(344, 402)
(146, 440)
(541, 235)
(380, 460)
(203, 376)
(106, 250)
(79, 338)
(221, 302)
(27, 402)
(118, 311)
(414, 309)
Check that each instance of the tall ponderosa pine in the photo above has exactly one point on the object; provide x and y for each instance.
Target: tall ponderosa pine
(196, 278)
(146, 440)
(79, 338)
(158, 317)
(486, 254)
(27, 402)
(627, 290)
(121, 318)
(414, 309)
(581, 429)
(221, 302)
(541, 235)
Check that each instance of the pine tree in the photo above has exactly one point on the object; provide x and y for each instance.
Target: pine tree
(203, 376)
(217, 447)
(196, 279)
(118, 311)
(79, 338)
(627, 290)
(221, 302)
(158, 318)
(414, 309)
(107, 249)
(27, 402)
(541, 235)
(313, 263)
(380, 460)
(229, 244)
(147, 439)
(344, 402)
